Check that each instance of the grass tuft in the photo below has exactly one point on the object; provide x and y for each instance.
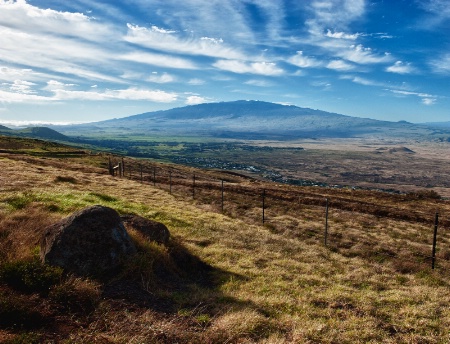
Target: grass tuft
(103, 197)
(65, 179)
(76, 295)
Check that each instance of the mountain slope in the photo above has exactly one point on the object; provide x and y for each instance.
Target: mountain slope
(42, 133)
(35, 132)
(254, 119)
(4, 129)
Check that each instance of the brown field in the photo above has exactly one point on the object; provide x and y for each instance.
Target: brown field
(370, 163)
(238, 280)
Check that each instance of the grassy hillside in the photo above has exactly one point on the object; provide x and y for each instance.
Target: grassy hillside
(4, 129)
(35, 132)
(224, 278)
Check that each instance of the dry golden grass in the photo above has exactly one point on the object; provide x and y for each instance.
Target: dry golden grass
(272, 283)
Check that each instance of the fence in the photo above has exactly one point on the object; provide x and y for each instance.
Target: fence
(283, 208)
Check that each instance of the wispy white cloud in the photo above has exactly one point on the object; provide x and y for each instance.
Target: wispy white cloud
(303, 61)
(329, 28)
(426, 99)
(61, 55)
(338, 14)
(342, 35)
(438, 10)
(180, 42)
(131, 93)
(241, 67)
(441, 64)
(324, 85)
(57, 85)
(196, 82)
(194, 100)
(19, 124)
(205, 18)
(161, 60)
(400, 67)
(163, 78)
(22, 86)
(259, 83)
(9, 97)
(10, 74)
(19, 15)
(340, 65)
(142, 94)
(63, 94)
(361, 55)
(363, 81)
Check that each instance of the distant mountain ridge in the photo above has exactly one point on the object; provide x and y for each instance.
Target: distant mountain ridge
(35, 132)
(4, 129)
(253, 119)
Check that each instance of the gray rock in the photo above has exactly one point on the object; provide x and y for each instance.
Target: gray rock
(90, 242)
(152, 230)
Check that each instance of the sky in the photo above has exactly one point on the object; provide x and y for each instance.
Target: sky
(81, 61)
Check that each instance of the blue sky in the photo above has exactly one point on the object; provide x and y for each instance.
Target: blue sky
(89, 60)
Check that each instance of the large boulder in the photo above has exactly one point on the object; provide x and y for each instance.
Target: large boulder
(151, 230)
(90, 242)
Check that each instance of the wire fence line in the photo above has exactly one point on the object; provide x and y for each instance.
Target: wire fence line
(283, 209)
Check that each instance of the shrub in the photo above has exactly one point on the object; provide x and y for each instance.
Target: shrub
(30, 275)
(424, 194)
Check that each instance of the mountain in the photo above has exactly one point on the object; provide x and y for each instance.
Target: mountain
(43, 133)
(4, 129)
(252, 119)
(35, 132)
(438, 124)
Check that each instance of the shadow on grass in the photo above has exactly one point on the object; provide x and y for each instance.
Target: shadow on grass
(169, 278)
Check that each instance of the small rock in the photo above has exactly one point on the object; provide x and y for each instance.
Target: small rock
(152, 230)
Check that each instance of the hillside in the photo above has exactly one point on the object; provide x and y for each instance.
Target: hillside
(4, 129)
(35, 132)
(252, 120)
(261, 283)
(42, 133)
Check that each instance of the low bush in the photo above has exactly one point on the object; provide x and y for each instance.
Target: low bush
(30, 276)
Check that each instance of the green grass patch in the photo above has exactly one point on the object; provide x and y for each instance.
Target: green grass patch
(103, 197)
(20, 201)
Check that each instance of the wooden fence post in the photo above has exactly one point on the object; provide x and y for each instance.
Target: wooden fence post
(433, 255)
(326, 223)
(263, 204)
(110, 166)
(222, 195)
